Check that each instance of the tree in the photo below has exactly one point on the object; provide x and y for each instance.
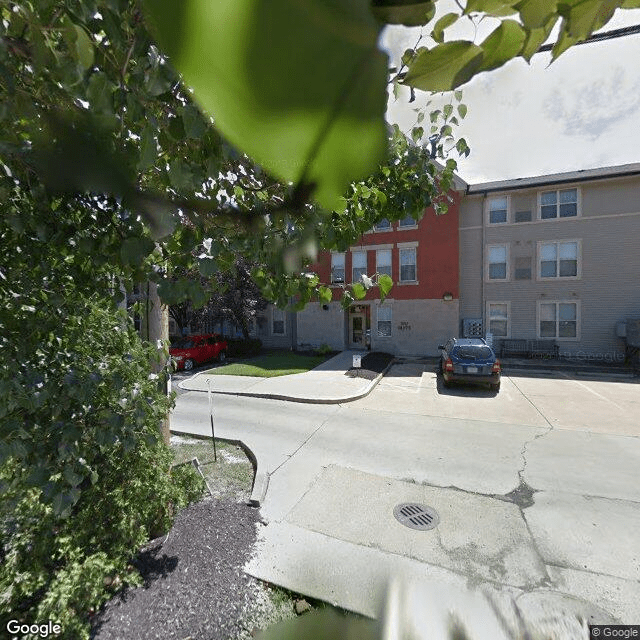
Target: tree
(239, 128)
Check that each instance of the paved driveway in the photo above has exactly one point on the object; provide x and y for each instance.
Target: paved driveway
(536, 487)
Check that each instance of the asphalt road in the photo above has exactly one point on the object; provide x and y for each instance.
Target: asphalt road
(551, 462)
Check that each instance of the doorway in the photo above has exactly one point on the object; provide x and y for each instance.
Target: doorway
(357, 329)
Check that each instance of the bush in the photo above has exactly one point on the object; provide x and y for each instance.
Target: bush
(85, 478)
(324, 349)
(243, 348)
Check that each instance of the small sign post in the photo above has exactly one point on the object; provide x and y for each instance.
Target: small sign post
(357, 360)
(213, 435)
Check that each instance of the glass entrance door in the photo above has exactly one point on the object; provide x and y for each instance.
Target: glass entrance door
(356, 331)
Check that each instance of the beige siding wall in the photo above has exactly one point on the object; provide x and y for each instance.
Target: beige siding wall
(608, 286)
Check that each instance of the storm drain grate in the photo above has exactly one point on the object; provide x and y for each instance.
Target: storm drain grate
(416, 516)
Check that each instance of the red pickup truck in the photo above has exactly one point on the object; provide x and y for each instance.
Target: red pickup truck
(191, 350)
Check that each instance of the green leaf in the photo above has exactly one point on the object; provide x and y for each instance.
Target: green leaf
(324, 294)
(446, 21)
(207, 267)
(134, 250)
(179, 174)
(409, 14)
(84, 48)
(458, 95)
(148, 149)
(447, 110)
(462, 110)
(385, 283)
(322, 625)
(99, 93)
(536, 13)
(63, 501)
(535, 39)
(585, 16)
(502, 45)
(73, 478)
(309, 109)
(444, 67)
(194, 124)
(492, 7)
(358, 290)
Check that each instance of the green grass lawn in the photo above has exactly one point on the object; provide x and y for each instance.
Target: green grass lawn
(270, 365)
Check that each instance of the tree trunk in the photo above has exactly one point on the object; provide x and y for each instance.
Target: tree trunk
(157, 329)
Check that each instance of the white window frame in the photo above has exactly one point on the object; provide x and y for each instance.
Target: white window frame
(488, 210)
(385, 308)
(344, 259)
(557, 216)
(390, 252)
(401, 280)
(557, 321)
(353, 255)
(383, 229)
(507, 278)
(413, 225)
(274, 313)
(557, 277)
(508, 318)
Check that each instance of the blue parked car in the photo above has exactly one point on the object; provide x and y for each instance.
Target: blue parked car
(469, 360)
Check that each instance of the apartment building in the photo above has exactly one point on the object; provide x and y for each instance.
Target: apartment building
(422, 309)
(555, 257)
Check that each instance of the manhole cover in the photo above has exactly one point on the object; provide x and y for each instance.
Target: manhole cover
(416, 516)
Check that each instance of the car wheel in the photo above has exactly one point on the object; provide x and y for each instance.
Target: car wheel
(188, 364)
(446, 383)
(495, 387)
(222, 357)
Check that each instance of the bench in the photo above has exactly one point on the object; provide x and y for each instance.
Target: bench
(528, 348)
(513, 347)
(543, 348)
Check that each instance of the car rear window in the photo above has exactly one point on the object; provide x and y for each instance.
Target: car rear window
(183, 343)
(473, 352)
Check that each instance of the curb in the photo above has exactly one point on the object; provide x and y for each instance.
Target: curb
(278, 396)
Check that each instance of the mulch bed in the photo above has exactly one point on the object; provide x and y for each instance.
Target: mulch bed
(195, 587)
(373, 364)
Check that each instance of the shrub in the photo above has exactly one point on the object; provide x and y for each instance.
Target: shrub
(324, 349)
(243, 348)
(85, 478)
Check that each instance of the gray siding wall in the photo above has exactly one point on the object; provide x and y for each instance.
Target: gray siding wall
(271, 340)
(318, 326)
(608, 286)
(417, 326)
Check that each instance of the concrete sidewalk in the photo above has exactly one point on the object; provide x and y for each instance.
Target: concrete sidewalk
(326, 384)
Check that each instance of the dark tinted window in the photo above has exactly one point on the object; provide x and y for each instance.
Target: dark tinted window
(182, 343)
(473, 352)
(211, 340)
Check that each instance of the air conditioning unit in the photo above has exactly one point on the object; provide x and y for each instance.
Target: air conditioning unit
(472, 328)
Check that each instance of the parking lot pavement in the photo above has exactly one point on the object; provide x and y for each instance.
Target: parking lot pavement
(551, 399)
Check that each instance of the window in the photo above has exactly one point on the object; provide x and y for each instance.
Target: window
(384, 322)
(498, 210)
(277, 322)
(498, 262)
(522, 269)
(558, 320)
(337, 268)
(407, 265)
(383, 225)
(408, 221)
(498, 315)
(558, 259)
(383, 261)
(358, 265)
(563, 204)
